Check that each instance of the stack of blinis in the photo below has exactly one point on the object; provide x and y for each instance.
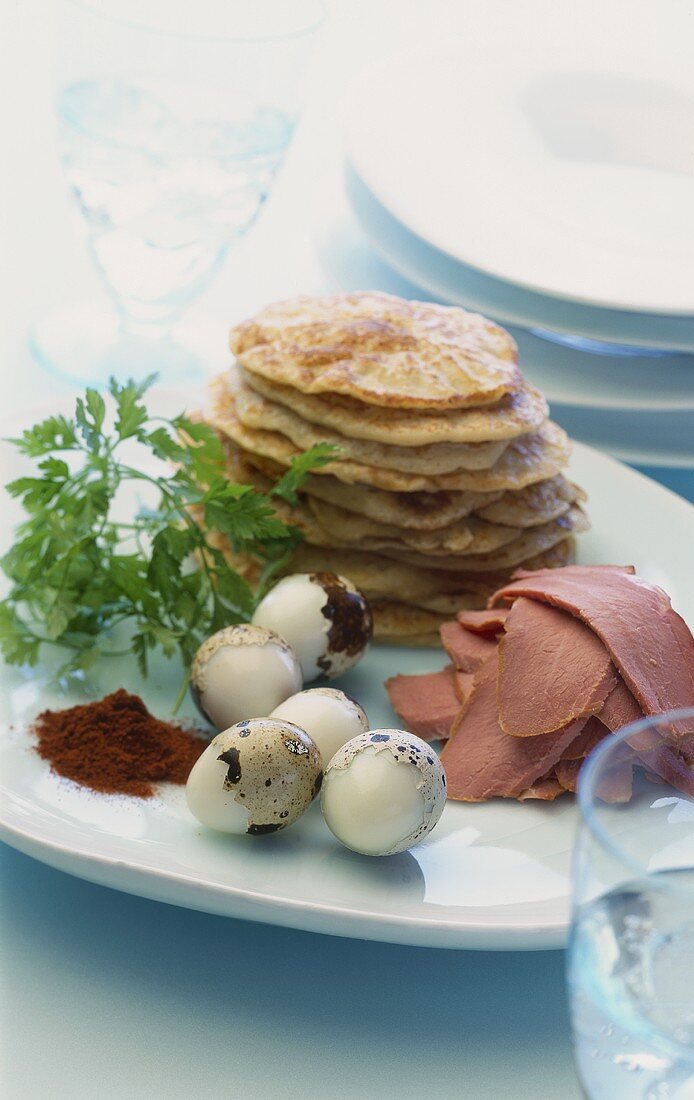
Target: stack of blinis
(448, 475)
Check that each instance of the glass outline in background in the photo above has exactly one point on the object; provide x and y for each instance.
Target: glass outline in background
(630, 958)
(170, 137)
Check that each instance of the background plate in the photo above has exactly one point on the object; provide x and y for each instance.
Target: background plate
(490, 876)
(564, 167)
(586, 328)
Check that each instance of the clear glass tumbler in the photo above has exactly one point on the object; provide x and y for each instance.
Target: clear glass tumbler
(631, 951)
(172, 122)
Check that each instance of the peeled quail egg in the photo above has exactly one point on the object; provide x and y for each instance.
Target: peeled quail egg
(383, 792)
(328, 715)
(256, 777)
(243, 672)
(324, 618)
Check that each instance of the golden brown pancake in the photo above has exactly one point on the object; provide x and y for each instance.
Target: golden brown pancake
(525, 460)
(255, 411)
(381, 350)
(535, 504)
(515, 413)
(529, 543)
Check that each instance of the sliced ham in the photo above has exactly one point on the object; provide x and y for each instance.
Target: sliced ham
(665, 760)
(591, 735)
(481, 761)
(463, 684)
(546, 789)
(620, 708)
(648, 641)
(467, 651)
(566, 772)
(616, 783)
(484, 622)
(427, 704)
(664, 756)
(552, 670)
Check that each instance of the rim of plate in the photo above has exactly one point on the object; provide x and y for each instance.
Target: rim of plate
(356, 917)
(422, 276)
(394, 203)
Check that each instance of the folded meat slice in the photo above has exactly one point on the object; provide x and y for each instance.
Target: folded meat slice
(547, 789)
(620, 708)
(484, 622)
(648, 641)
(481, 761)
(665, 759)
(566, 772)
(552, 670)
(463, 684)
(591, 735)
(615, 783)
(467, 651)
(428, 704)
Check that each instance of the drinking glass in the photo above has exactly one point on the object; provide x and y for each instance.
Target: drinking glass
(173, 119)
(631, 950)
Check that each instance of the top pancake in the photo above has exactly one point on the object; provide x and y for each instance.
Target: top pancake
(514, 414)
(381, 350)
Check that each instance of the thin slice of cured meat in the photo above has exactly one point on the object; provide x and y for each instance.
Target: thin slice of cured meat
(552, 670)
(671, 758)
(481, 761)
(463, 684)
(591, 735)
(467, 651)
(648, 641)
(669, 761)
(566, 772)
(616, 782)
(547, 789)
(427, 704)
(620, 708)
(484, 622)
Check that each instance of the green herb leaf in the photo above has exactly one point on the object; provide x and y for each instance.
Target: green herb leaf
(320, 454)
(79, 570)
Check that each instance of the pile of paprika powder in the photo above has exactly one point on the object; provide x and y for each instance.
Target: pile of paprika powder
(116, 746)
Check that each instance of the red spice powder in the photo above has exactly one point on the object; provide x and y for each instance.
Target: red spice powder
(116, 746)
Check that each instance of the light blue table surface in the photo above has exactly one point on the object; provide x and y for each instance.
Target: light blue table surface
(112, 996)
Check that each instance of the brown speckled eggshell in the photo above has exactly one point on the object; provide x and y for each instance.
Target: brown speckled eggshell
(274, 771)
(351, 623)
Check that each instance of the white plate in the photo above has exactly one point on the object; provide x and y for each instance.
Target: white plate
(547, 146)
(490, 876)
(587, 329)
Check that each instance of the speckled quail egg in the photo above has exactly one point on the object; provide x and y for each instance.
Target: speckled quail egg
(256, 777)
(243, 672)
(328, 715)
(324, 618)
(383, 792)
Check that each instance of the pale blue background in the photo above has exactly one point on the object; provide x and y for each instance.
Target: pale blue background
(109, 996)
(113, 996)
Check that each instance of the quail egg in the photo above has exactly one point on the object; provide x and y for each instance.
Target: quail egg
(243, 672)
(256, 777)
(383, 792)
(328, 715)
(324, 618)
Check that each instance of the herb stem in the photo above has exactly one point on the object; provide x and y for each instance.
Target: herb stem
(181, 693)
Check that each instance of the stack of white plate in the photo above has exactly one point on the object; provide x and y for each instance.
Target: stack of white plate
(551, 191)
